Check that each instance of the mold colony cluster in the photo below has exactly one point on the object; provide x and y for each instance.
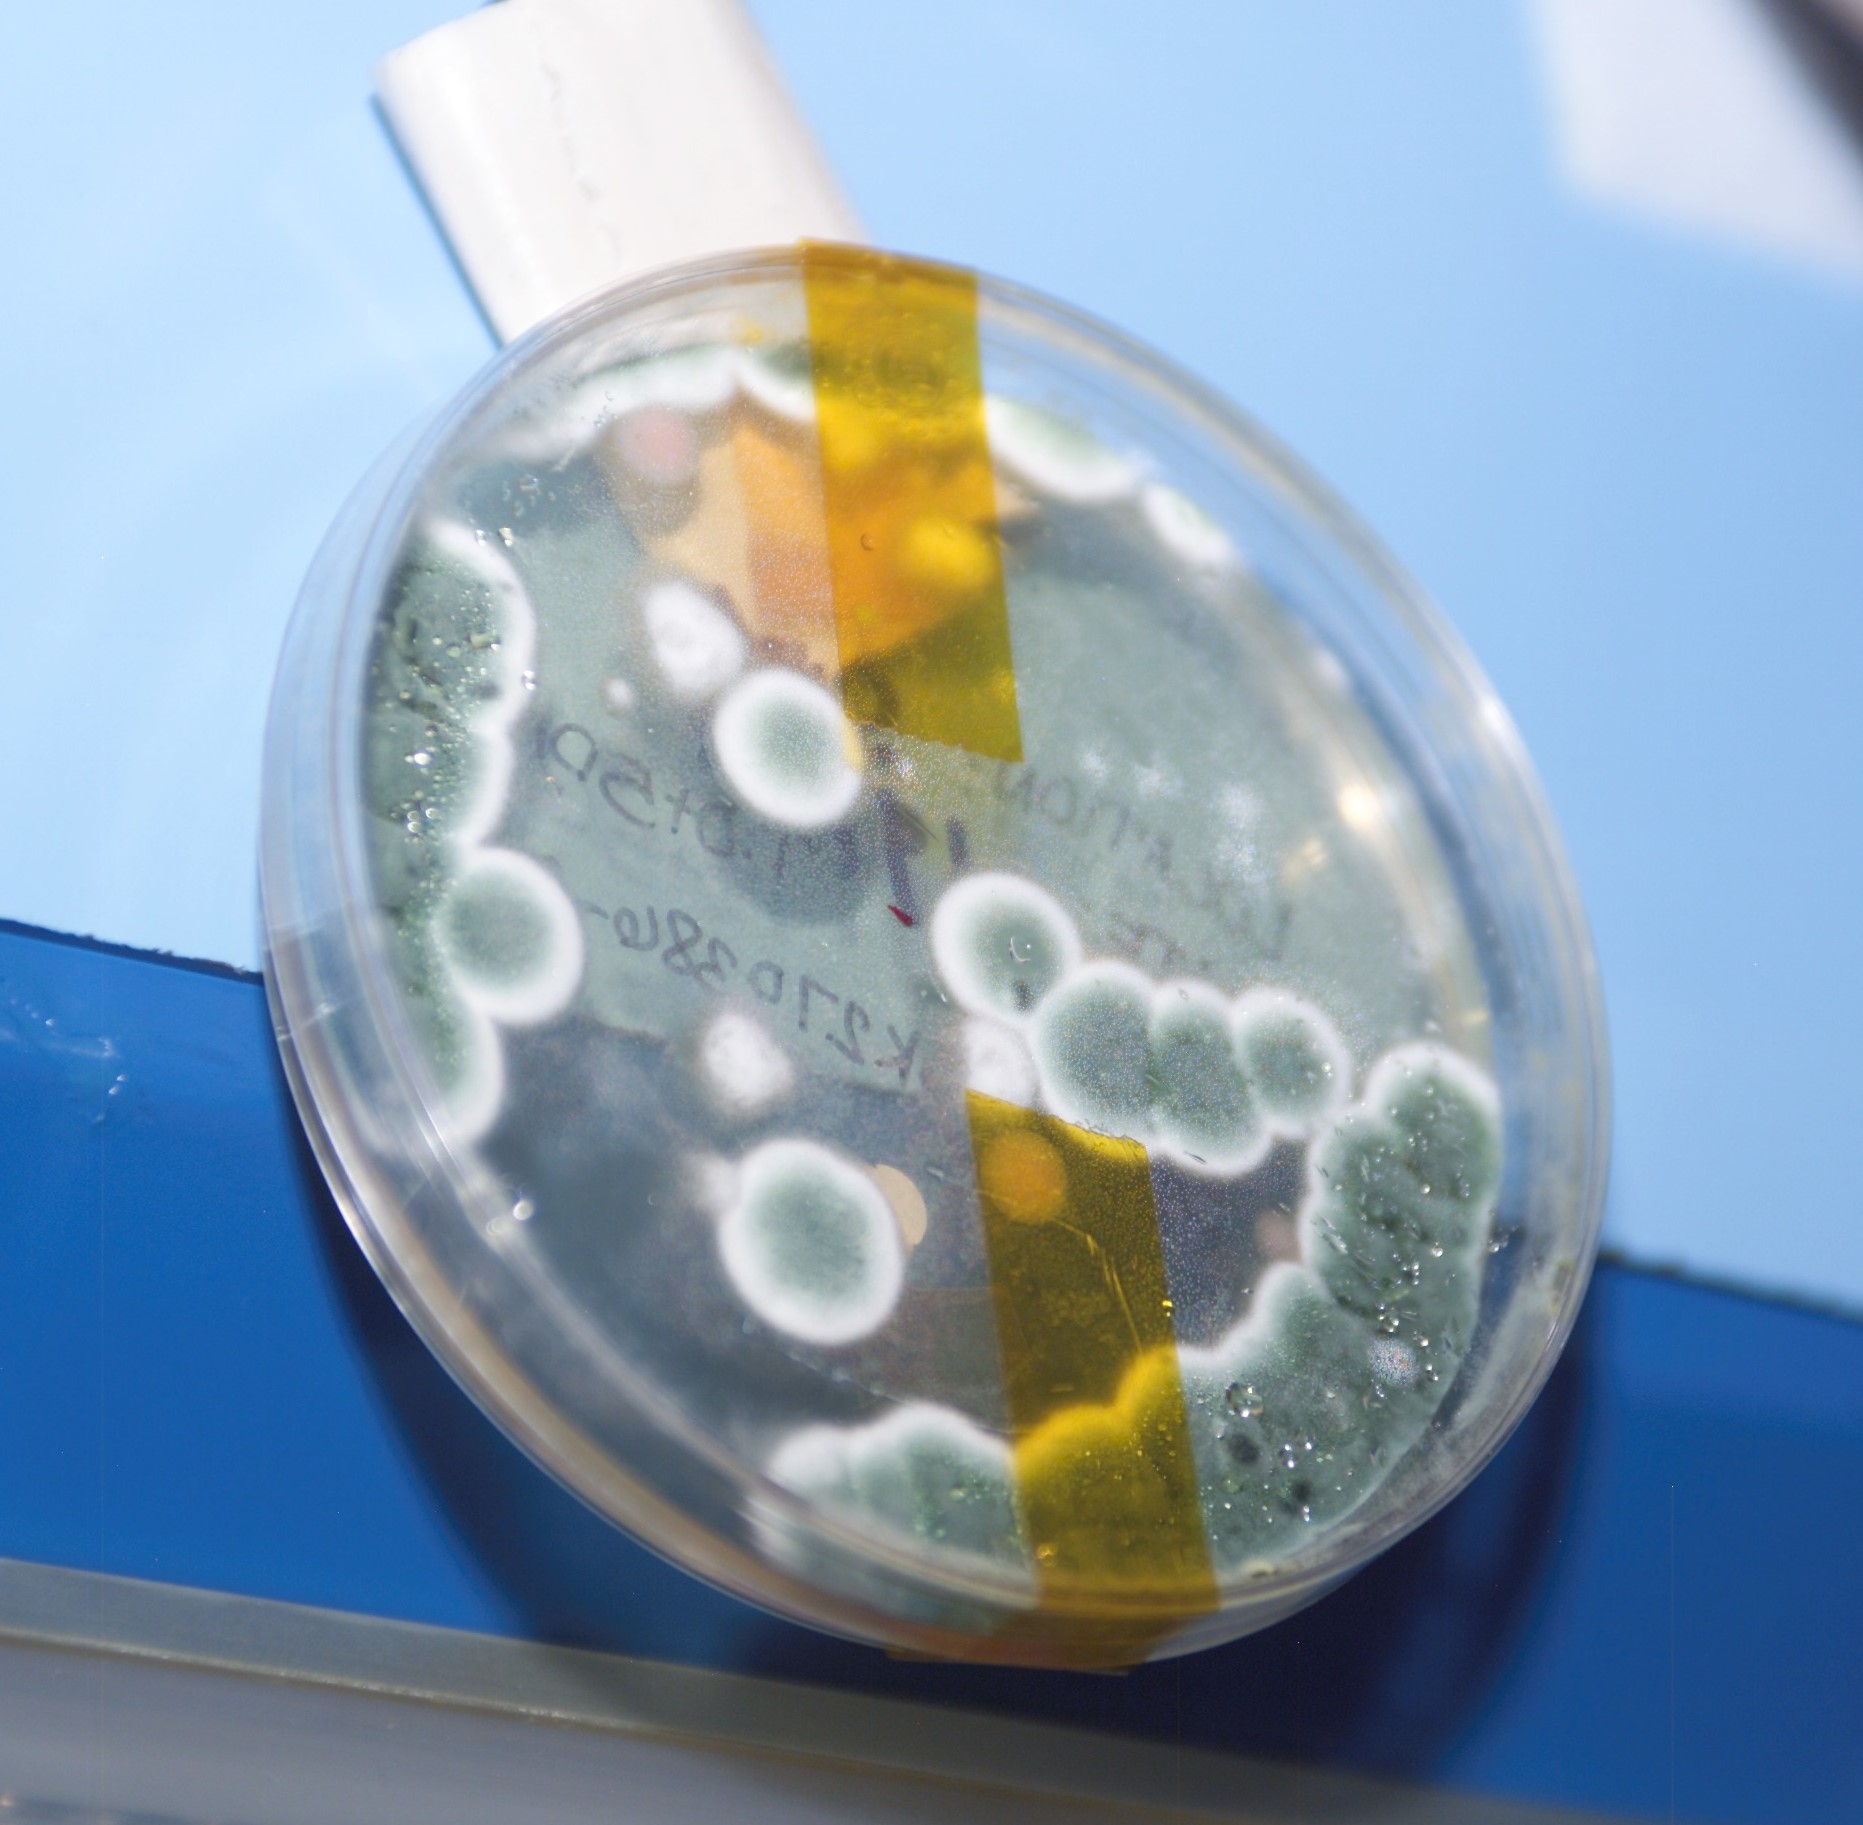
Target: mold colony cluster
(1337, 1360)
(1341, 1357)
(487, 937)
(1206, 1081)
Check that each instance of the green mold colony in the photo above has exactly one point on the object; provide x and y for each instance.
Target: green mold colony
(786, 750)
(483, 936)
(811, 1244)
(1341, 1358)
(1309, 1402)
(1206, 1081)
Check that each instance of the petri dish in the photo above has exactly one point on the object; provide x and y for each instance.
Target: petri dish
(921, 966)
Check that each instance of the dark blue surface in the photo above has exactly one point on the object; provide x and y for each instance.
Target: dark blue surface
(1654, 1598)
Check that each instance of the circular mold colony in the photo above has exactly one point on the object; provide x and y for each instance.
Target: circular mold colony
(811, 1244)
(759, 1093)
(786, 750)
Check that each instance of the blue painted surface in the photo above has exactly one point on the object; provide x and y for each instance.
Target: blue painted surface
(1625, 461)
(1656, 1587)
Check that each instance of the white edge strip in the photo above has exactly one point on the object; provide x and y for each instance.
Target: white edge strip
(566, 145)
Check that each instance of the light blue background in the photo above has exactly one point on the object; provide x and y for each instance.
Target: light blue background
(1627, 462)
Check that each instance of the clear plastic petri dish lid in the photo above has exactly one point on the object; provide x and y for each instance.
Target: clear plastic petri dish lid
(923, 969)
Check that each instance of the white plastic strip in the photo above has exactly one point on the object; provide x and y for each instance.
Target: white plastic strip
(157, 1705)
(567, 144)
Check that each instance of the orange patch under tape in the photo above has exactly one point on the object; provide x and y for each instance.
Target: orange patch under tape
(914, 557)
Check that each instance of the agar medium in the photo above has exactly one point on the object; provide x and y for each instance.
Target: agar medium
(920, 966)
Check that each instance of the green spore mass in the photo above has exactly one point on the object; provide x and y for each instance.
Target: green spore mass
(797, 750)
(440, 684)
(441, 1022)
(493, 931)
(1290, 1422)
(944, 1483)
(811, 1236)
(924, 1473)
(1304, 1408)
(1093, 1044)
(1284, 1052)
(1003, 944)
(1201, 1102)
(1403, 1194)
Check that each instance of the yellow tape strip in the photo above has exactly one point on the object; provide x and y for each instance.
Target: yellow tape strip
(915, 563)
(1107, 1481)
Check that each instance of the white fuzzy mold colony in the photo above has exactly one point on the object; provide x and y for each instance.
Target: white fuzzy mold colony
(698, 647)
(698, 379)
(997, 1063)
(786, 749)
(780, 382)
(462, 1050)
(744, 1070)
(811, 1243)
(1292, 1056)
(1185, 530)
(1092, 1042)
(1055, 456)
(450, 674)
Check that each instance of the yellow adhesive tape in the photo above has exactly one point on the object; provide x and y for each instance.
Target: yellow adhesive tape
(1104, 1468)
(914, 558)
